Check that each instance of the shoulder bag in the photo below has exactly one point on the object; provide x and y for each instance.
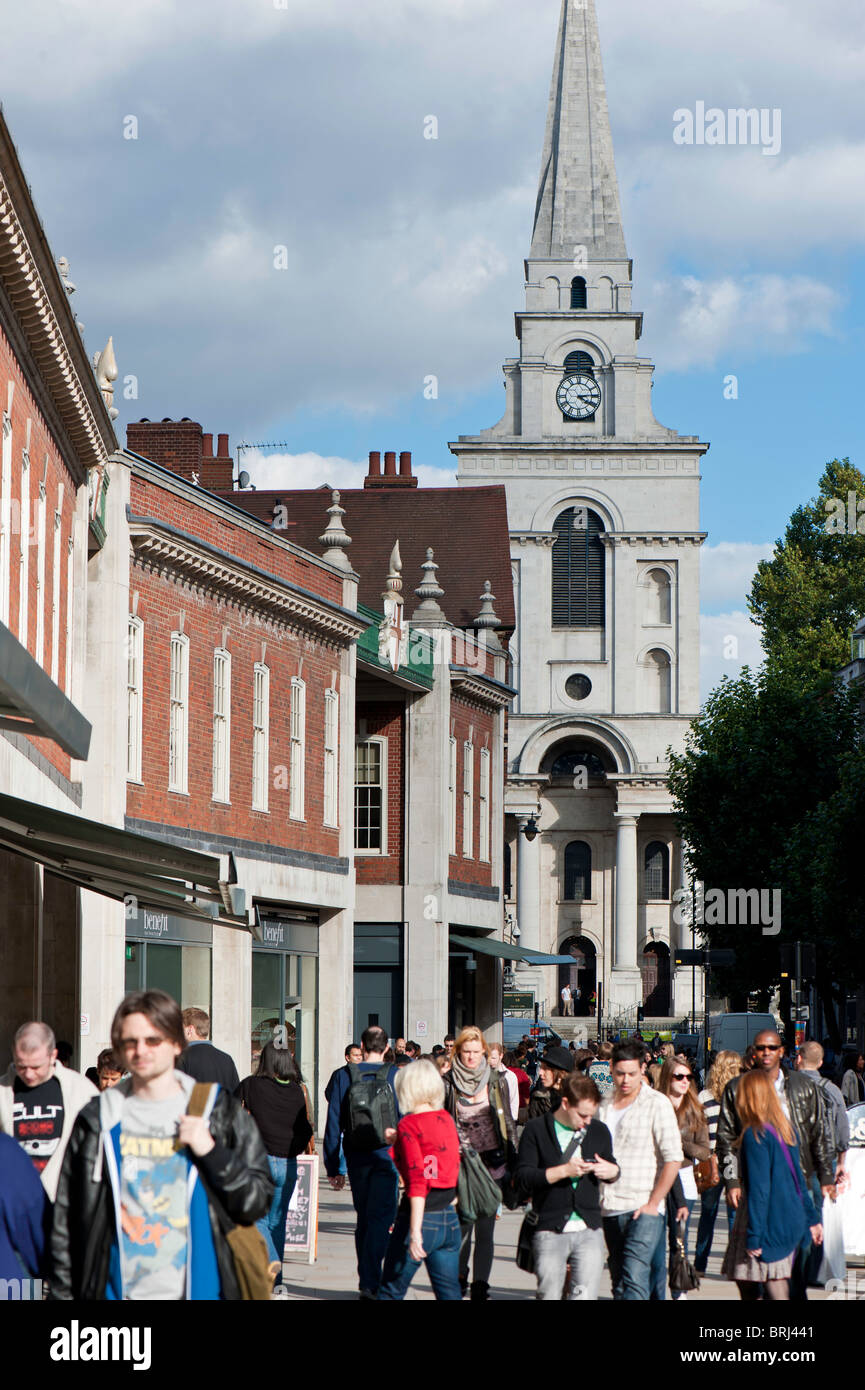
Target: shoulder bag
(252, 1268)
(683, 1277)
(707, 1174)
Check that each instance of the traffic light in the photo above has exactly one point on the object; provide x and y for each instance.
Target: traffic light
(641, 1013)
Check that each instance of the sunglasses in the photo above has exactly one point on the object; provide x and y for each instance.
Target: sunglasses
(681, 1076)
(130, 1044)
(768, 1047)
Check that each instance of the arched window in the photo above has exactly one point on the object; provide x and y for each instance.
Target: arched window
(657, 871)
(578, 569)
(578, 871)
(566, 764)
(578, 292)
(578, 362)
(656, 682)
(657, 606)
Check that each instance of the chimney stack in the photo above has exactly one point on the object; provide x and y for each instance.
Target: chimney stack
(390, 477)
(207, 446)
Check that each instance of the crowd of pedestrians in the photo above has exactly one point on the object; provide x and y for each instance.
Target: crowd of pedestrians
(161, 1175)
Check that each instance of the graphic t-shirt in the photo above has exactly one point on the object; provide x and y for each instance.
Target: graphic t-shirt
(153, 1208)
(565, 1137)
(37, 1119)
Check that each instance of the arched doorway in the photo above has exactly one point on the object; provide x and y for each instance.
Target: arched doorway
(655, 970)
(582, 975)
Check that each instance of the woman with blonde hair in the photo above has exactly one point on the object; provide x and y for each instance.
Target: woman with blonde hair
(426, 1152)
(775, 1209)
(477, 1100)
(725, 1066)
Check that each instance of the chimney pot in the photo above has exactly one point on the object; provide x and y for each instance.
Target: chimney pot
(374, 464)
(390, 465)
(222, 446)
(207, 446)
(405, 465)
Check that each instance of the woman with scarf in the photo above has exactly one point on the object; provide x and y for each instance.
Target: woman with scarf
(479, 1103)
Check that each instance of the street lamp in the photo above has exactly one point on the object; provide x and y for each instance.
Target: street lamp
(530, 829)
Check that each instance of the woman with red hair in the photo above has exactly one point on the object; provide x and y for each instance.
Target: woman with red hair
(775, 1209)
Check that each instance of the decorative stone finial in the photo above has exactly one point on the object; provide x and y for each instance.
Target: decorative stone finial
(63, 267)
(336, 538)
(487, 616)
(105, 367)
(429, 590)
(393, 583)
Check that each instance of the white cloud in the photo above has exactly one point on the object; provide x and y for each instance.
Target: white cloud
(727, 569)
(274, 471)
(728, 641)
(695, 321)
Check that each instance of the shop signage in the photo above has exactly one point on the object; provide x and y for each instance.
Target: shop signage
(277, 932)
(517, 1000)
(156, 924)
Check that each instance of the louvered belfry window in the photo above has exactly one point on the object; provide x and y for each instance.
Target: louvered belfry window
(578, 569)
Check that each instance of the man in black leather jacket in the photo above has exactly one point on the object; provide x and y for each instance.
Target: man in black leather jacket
(132, 1218)
(805, 1106)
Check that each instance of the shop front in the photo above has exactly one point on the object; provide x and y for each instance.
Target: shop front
(165, 951)
(285, 986)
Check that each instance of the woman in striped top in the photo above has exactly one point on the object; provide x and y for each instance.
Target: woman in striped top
(725, 1066)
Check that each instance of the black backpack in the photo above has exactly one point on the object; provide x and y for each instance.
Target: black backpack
(371, 1108)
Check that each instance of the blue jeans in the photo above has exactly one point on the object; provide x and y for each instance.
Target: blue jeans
(630, 1247)
(374, 1187)
(272, 1227)
(709, 1202)
(441, 1241)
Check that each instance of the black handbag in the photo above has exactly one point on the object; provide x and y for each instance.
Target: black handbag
(525, 1242)
(683, 1277)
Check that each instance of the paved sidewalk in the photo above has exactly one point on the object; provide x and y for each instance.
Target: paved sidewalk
(334, 1275)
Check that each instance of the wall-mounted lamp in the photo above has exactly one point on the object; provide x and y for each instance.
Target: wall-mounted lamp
(530, 829)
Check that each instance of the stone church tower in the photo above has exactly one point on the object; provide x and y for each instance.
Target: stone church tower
(603, 508)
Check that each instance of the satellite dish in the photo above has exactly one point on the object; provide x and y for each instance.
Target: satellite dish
(243, 479)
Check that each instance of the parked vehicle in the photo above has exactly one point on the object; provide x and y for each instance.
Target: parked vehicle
(514, 1028)
(734, 1032)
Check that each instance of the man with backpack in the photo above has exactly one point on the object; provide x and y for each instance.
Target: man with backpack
(835, 1123)
(363, 1113)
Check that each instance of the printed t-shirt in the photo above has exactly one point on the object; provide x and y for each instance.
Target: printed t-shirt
(37, 1119)
(565, 1137)
(153, 1206)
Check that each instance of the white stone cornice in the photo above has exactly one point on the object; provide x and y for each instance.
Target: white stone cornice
(480, 689)
(661, 538)
(548, 538)
(158, 551)
(33, 307)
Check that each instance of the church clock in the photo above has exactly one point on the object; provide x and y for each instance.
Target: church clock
(578, 396)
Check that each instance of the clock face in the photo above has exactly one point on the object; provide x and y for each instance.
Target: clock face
(578, 396)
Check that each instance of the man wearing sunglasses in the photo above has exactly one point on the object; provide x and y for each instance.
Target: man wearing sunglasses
(803, 1105)
(135, 1216)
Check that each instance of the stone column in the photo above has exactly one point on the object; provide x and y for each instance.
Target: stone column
(528, 887)
(626, 982)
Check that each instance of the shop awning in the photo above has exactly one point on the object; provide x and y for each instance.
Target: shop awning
(486, 946)
(120, 863)
(31, 703)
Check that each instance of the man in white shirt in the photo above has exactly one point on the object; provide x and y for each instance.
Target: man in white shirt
(567, 1002)
(648, 1149)
(497, 1064)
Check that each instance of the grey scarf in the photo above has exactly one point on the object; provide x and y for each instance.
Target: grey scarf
(467, 1082)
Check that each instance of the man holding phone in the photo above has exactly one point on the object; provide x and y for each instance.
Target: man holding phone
(564, 1156)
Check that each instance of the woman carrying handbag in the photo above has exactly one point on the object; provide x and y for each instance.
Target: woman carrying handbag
(479, 1104)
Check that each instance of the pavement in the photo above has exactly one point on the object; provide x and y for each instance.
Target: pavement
(334, 1273)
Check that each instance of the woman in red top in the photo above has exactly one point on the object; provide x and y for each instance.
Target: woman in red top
(427, 1153)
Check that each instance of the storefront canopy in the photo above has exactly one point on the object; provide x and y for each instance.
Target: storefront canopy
(31, 703)
(486, 946)
(119, 863)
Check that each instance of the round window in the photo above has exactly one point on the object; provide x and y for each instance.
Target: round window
(578, 687)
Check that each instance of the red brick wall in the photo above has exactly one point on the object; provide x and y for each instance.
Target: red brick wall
(148, 499)
(464, 717)
(181, 446)
(42, 443)
(386, 720)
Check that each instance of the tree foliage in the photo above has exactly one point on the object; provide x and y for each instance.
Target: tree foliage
(808, 597)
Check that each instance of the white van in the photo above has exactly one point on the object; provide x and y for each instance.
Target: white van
(734, 1032)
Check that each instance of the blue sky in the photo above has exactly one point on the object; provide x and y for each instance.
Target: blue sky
(300, 124)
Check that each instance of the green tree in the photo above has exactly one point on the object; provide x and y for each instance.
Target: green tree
(807, 598)
(763, 754)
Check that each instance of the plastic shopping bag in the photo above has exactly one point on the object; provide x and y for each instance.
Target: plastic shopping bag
(834, 1265)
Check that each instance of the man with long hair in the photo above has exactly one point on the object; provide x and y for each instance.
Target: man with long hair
(135, 1215)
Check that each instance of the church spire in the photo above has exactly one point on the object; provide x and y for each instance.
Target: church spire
(578, 195)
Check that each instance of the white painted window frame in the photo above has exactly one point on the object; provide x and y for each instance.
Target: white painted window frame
(382, 741)
(221, 789)
(134, 697)
(178, 724)
(468, 799)
(260, 736)
(297, 759)
(331, 758)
